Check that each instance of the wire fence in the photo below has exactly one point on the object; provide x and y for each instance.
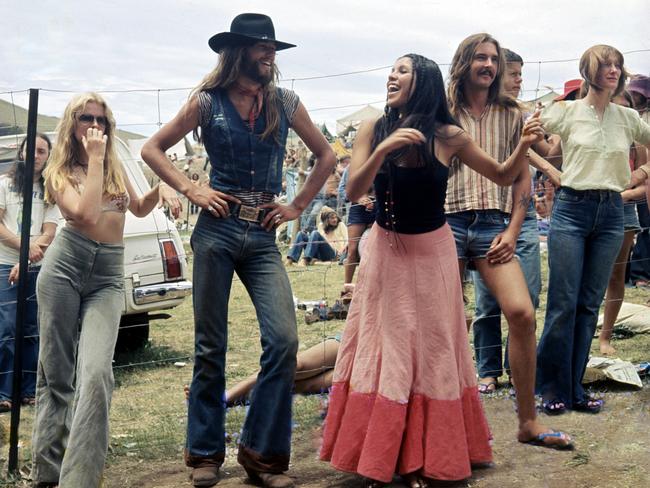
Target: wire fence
(160, 370)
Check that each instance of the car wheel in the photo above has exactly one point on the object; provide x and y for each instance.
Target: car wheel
(134, 332)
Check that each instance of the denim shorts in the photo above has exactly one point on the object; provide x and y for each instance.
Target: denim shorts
(630, 217)
(474, 231)
(360, 215)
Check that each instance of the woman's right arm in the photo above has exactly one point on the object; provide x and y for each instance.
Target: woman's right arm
(85, 208)
(366, 162)
(7, 237)
(153, 153)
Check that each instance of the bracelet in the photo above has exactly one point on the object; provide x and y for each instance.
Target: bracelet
(642, 168)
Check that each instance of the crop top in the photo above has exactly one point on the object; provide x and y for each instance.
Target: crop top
(110, 203)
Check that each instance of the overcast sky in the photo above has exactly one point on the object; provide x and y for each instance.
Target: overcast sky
(144, 46)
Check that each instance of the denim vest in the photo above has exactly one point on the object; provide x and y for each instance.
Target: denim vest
(240, 159)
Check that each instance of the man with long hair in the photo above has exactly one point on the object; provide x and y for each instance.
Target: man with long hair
(243, 119)
(478, 212)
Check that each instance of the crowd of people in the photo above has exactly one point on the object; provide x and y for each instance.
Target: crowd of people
(444, 181)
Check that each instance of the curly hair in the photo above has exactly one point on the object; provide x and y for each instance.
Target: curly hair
(67, 150)
(17, 171)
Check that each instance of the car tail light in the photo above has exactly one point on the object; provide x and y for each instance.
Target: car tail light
(171, 261)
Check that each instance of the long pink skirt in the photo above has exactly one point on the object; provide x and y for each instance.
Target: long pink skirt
(404, 396)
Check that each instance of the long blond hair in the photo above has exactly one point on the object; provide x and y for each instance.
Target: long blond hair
(67, 150)
(229, 68)
(460, 68)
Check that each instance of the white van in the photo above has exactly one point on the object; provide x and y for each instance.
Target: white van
(155, 265)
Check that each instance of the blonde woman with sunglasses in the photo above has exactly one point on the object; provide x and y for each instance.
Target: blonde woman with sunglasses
(80, 295)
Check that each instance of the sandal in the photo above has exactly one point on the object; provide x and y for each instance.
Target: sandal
(589, 405)
(554, 407)
(487, 387)
(541, 440)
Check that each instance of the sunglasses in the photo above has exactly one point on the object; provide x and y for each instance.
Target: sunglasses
(89, 119)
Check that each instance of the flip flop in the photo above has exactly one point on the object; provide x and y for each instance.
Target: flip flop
(589, 405)
(488, 387)
(540, 440)
(554, 407)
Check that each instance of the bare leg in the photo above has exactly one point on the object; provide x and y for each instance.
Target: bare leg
(238, 393)
(461, 271)
(317, 359)
(355, 231)
(315, 384)
(615, 294)
(312, 363)
(507, 284)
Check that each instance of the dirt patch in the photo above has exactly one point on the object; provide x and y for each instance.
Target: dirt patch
(612, 450)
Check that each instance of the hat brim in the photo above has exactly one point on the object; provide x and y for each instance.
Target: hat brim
(229, 39)
(564, 95)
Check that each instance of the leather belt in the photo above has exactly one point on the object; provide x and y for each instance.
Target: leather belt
(248, 213)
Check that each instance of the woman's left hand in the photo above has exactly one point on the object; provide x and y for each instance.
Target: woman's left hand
(278, 214)
(167, 195)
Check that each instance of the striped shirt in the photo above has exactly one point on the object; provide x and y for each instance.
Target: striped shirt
(497, 132)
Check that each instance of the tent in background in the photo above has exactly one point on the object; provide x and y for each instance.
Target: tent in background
(351, 122)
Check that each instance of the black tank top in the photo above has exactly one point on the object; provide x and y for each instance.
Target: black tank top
(416, 202)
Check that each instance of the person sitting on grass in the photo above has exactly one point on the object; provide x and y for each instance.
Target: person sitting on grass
(328, 243)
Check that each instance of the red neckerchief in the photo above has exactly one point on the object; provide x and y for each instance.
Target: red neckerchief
(256, 109)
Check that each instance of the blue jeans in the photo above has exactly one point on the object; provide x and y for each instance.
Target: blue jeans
(8, 298)
(314, 245)
(474, 231)
(319, 248)
(298, 246)
(640, 261)
(291, 177)
(309, 216)
(584, 239)
(221, 247)
(487, 321)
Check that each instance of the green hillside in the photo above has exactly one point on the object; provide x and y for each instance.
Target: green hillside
(13, 120)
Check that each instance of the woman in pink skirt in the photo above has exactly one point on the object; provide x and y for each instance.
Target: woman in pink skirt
(404, 396)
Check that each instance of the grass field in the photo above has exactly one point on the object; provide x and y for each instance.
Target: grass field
(148, 414)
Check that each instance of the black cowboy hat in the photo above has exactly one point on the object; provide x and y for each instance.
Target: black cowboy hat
(248, 29)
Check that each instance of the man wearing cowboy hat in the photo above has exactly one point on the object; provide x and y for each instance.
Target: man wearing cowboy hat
(243, 119)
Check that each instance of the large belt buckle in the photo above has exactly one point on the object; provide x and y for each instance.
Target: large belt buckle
(251, 214)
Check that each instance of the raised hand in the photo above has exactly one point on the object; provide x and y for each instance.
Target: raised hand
(400, 138)
(533, 130)
(94, 143)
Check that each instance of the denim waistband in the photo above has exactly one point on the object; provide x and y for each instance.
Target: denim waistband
(591, 194)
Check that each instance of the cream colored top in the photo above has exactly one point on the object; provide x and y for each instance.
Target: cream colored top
(595, 152)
